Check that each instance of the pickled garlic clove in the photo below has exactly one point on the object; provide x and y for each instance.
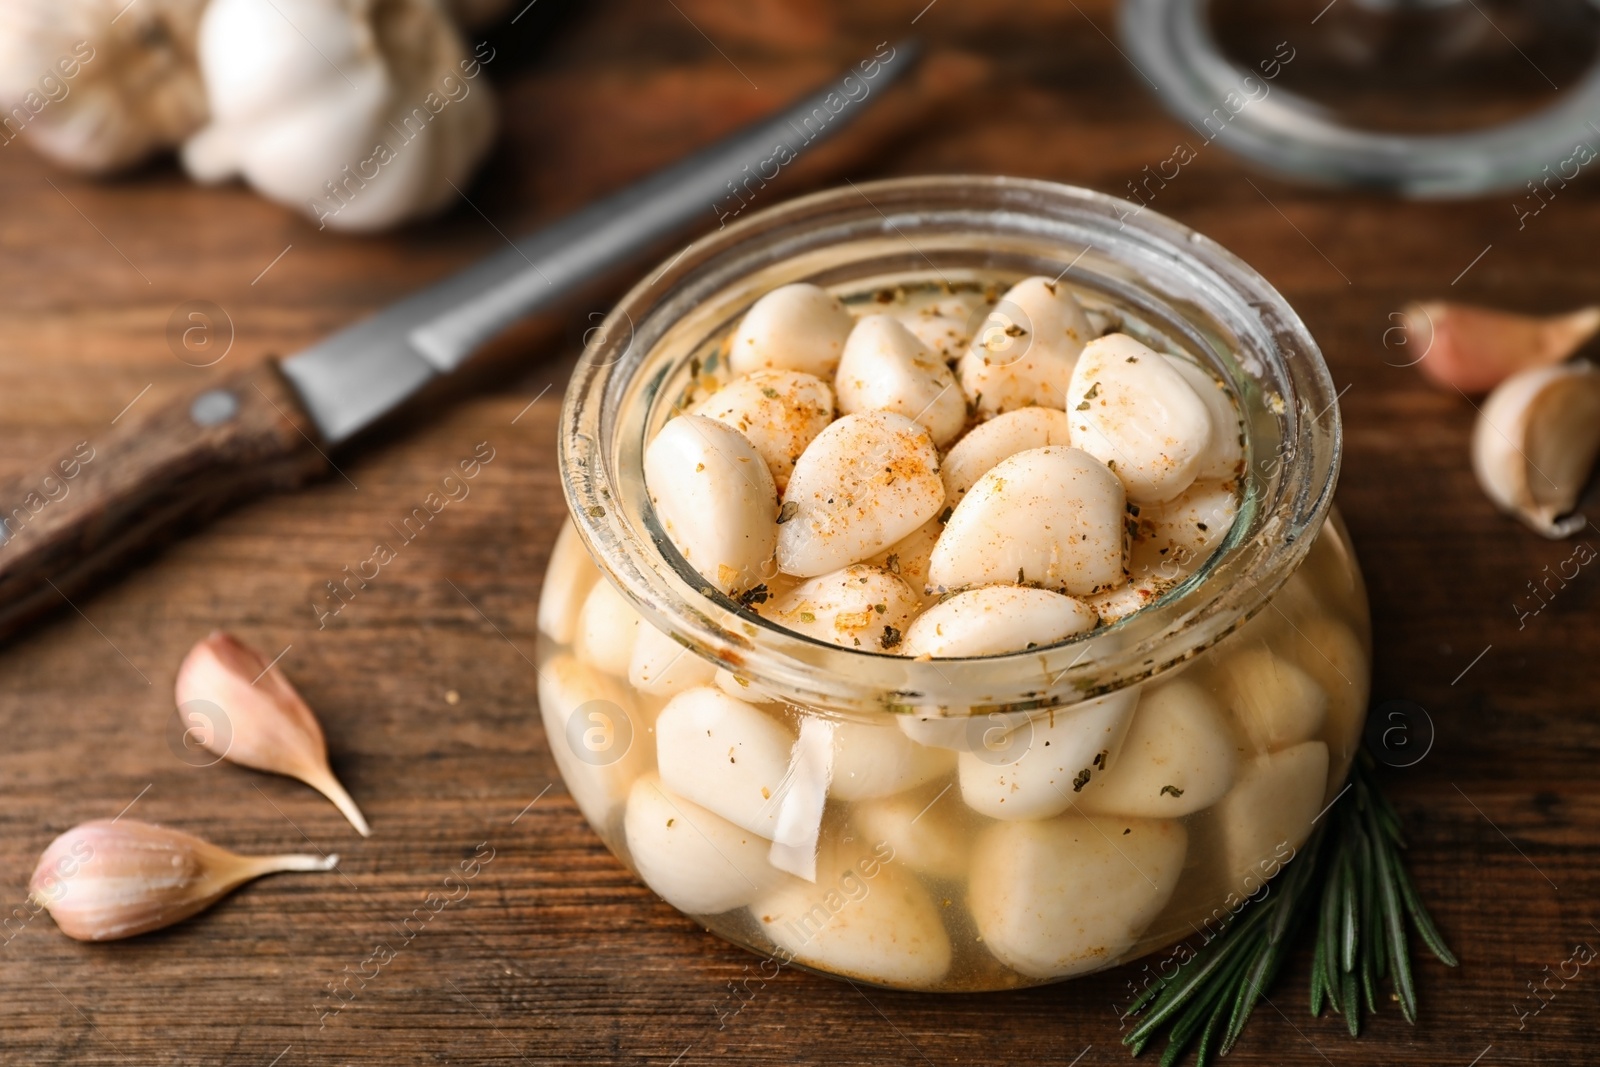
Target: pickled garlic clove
(1268, 812)
(1050, 516)
(795, 327)
(886, 368)
(1223, 455)
(725, 755)
(567, 581)
(116, 878)
(1178, 758)
(1132, 410)
(265, 724)
(715, 498)
(1275, 702)
(780, 411)
(867, 481)
(908, 559)
(694, 859)
(857, 607)
(1002, 437)
(1024, 352)
(870, 760)
(997, 619)
(1063, 896)
(607, 629)
(597, 733)
(662, 667)
(1535, 444)
(924, 827)
(1474, 349)
(1039, 768)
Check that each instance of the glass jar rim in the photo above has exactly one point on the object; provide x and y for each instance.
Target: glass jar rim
(1139, 255)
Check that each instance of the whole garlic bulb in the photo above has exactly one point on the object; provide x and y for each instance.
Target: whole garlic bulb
(360, 113)
(97, 85)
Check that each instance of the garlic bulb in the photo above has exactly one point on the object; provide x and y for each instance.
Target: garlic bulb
(1536, 441)
(114, 878)
(264, 724)
(1475, 349)
(360, 114)
(96, 85)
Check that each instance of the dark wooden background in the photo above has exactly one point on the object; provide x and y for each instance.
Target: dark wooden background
(557, 955)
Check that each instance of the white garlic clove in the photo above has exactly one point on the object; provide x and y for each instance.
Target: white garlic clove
(1225, 452)
(780, 411)
(1072, 894)
(607, 629)
(908, 559)
(1172, 540)
(115, 878)
(1535, 444)
(380, 120)
(1000, 438)
(99, 85)
(997, 619)
(878, 761)
(796, 327)
(1024, 352)
(1473, 349)
(662, 667)
(715, 498)
(1330, 652)
(867, 481)
(923, 827)
(1268, 813)
(724, 755)
(865, 917)
(695, 860)
(1138, 592)
(1275, 702)
(1178, 758)
(1049, 516)
(1135, 413)
(568, 578)
(885, 368)
(1040, 768)
(857, 607)
(978, 732)
(599, 737)
(943, 326)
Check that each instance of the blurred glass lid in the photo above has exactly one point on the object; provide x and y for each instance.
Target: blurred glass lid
(1426, 98)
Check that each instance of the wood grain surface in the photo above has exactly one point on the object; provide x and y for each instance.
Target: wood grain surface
(423, 680)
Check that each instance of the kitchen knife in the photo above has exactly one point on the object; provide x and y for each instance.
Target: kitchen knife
(270, 428)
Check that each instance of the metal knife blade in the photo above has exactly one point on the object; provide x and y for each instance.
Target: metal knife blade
(353, 377)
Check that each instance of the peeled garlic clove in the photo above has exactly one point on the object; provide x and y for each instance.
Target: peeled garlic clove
(780, 411)
(1330, 652)
(1072, 894)
(360, 116)
(1024, 352)
(943, 326)
(923, 827)
(1223, 455)
(662, 667)
(795, 327)
(865, 917)
(695, 860)
(568, 578)
(879, 761)
(1000, 438)
(867, 481)
(1178, 758)
(857, 607)
(1135, 413)
(1474, 349)
(997, 619)
(908, 559)
(115, 878)
(1535, 444)
(1049, 516)
(598, 736)
(268, 726)
(1172, 540)
(607, 629)
(724, 755)
(1061, 751)
(1275, 702)
(885, 367)
(715, 498)
(963, 731)
(1268, 813)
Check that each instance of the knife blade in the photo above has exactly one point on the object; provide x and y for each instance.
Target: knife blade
(269, 428)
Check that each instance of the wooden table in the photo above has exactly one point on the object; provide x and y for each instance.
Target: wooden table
(423, 681)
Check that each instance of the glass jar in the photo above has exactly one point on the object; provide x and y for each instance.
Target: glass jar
(956, 824)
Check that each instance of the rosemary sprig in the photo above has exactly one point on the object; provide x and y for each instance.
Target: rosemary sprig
(1350, 879)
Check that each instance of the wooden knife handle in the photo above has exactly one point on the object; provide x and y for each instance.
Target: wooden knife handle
(114, 496)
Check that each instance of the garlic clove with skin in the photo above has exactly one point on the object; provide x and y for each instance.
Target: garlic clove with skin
(269, 726)
(116, 878)
(1535, 443)
(1474, 349)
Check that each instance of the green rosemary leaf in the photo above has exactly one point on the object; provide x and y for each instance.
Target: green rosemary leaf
(1202, 1053)
(1372, 945)
(1421, 919)
(1394, 922)
(1350, 927)
(1352, 1015)
(1318, 977)
(1327, 935)
(1192, 976)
